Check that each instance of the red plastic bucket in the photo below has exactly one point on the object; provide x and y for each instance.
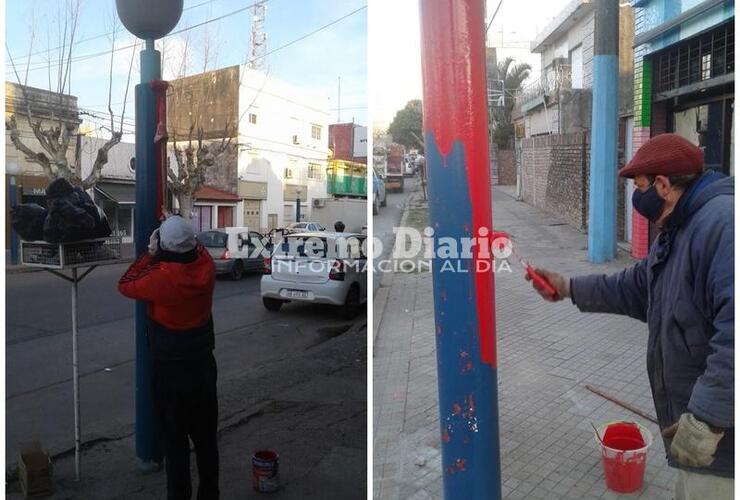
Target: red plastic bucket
(623, 454)
(265, 469)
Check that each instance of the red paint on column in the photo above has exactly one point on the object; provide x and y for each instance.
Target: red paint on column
(459, 112)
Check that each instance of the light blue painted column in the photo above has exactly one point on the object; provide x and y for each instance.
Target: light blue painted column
(602, 207)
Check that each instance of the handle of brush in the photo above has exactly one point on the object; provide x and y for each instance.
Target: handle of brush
(541, 282)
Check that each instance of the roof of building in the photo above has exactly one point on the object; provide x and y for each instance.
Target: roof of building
(563, 22)
(212, 194)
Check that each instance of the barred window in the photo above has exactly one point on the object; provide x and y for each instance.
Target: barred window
(314, 171)
(703, 57)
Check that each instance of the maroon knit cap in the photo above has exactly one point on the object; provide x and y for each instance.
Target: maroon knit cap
(665, 154)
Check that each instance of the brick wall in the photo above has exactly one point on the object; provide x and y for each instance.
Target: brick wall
(506, 167)
(555, 170)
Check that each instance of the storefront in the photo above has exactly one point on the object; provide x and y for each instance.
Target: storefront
(118, 199)
(684, 75)
(693, 93)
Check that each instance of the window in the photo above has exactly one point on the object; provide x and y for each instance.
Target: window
(316, 131)
(288, 174)
(201, 218)
(253, 118)
(314, 171)
(697, 59)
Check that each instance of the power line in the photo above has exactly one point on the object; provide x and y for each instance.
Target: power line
(311, 33)
(90, 112)
(494, 15)
(58, 62)
(103, 35)
(316, 30)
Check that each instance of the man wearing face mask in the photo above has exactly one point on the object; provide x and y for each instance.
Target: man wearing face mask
(684, 290)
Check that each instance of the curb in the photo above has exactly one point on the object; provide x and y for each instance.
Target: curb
(379, 303)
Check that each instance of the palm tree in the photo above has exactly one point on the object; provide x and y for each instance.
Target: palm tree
(512, 76)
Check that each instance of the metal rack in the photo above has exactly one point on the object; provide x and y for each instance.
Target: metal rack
(57, 257)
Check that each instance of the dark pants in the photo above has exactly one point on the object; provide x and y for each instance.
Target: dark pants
(185, 399)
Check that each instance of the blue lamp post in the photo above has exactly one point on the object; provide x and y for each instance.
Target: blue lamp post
(298, 205)
(12, 169)
(149, 21)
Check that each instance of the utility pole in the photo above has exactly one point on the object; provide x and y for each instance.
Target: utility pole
(339, 99)
(148, 21)
(459, 192)
(602, 205)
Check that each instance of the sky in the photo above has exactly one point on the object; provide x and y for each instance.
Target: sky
(314, 63)
(394, 39)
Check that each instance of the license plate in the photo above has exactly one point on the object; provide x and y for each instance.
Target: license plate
(295, 294)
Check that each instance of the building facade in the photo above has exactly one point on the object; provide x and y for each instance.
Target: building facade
(684, 82)
(552, 117)
(283, 154)
(278, 153)
(51, 109)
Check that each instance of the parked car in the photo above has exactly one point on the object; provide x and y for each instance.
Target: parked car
(378, 193)
(233, 250)
(310, 267)
(301, 227)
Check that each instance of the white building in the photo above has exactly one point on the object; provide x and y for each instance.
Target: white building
(556, 102)
(283, 137)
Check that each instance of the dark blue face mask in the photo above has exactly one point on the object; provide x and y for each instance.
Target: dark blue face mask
(648, 203)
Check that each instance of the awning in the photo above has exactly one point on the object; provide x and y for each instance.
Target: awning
(118, 192)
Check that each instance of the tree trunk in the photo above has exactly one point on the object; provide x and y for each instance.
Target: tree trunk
(186, 205)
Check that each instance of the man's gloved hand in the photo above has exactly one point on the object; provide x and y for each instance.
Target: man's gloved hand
(694, 442)
(560, 283)
(153, 242)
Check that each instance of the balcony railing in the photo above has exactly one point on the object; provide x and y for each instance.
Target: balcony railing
(552, 81)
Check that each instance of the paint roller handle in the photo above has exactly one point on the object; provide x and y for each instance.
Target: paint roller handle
(542, 283)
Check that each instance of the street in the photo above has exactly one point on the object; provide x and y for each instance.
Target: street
(251, 344)
(388, 218)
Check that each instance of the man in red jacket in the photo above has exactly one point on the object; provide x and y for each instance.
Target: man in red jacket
(176, 278)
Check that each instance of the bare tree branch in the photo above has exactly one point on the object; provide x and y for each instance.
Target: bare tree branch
(110, 78)
(100, 161)
(128, 82)
(31, 156)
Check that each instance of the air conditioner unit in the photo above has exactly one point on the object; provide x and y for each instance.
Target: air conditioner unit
(296, 140)
(319, 202)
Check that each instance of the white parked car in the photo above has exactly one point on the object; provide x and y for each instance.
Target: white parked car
(235, 250)
(318, 267)
(303, 227)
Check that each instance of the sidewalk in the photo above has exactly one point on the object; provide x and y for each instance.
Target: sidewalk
(546, 354)
(310, 406)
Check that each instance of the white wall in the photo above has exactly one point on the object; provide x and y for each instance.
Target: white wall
(119, 158)
(581, 34)
(282, 111)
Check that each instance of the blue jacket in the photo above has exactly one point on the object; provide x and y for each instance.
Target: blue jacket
(684, 290)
